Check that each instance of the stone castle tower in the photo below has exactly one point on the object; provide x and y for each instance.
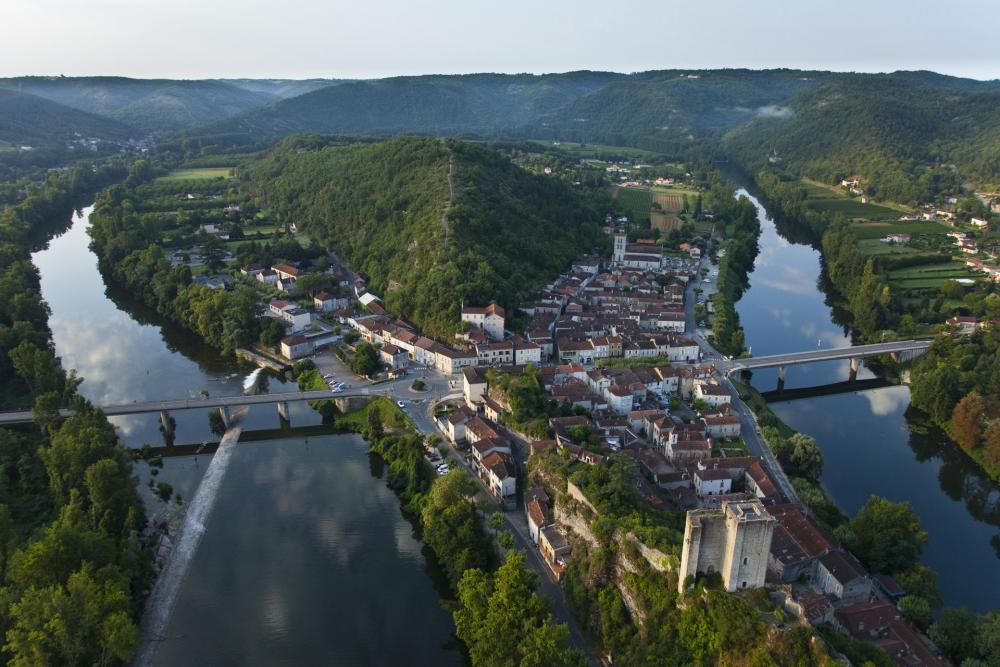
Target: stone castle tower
(621, 240)
(733, 541)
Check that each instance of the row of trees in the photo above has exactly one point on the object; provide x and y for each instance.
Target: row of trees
(72, 571)
(740, 221)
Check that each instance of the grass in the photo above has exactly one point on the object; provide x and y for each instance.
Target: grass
(197, 174)
(929, 276)
(854, 209)
(877, 247)
(392, 416)
(635, 202)
(597, 151)
(878, 230)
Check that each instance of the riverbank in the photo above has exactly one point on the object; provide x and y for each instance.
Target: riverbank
(869, 440)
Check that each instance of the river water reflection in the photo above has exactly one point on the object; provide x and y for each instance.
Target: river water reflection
(865, 436)
(307, 559)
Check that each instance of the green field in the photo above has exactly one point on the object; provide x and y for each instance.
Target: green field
(635, 202)
(877, 247)
(879, 230)
(597, 151)
(929, 275)
(853, 208)
(199, 174)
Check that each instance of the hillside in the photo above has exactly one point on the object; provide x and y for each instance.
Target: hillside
(884, 127)
(150, 105)
(381, 206)
(484, 104)
(283, 88)
(33, 121)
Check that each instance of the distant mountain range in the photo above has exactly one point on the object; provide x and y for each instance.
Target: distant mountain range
(812, 121)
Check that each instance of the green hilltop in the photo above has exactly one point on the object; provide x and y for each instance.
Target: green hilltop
(382, 207)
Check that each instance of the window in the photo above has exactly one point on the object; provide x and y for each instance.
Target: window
(745, 560)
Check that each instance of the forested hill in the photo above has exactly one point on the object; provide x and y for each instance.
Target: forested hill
(382, 207)
(149, 105)
(887, 128)
(483, 104)
(40, 123)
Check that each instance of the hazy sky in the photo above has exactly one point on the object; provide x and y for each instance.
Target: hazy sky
(371, 38)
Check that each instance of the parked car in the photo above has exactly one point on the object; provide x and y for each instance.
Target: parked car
(400, 404)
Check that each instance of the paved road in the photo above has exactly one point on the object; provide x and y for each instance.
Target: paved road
(749, 429)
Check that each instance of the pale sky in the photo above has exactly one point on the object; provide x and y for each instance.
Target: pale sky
(375, 38)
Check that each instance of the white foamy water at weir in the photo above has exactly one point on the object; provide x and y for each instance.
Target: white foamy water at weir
(160, 604)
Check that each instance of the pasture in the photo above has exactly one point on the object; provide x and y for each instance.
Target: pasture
(197, 174)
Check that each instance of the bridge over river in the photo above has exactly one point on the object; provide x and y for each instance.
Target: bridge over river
(224, 403)
(900, 350)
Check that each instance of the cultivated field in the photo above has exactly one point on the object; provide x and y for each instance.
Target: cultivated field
(670, 203)
(635, 202)
(876, 230)
(198, 174)
(665, 222)
(929, 276)
(853, 208)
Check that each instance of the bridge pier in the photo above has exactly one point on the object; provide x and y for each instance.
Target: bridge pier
(168, 427)
(227, 418)
(284, 414)
(855, 364)
(781, 379)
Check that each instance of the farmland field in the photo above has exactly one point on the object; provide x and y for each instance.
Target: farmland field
(670, 203)
(878, 230)
(854, 209)
(877, 247)
(197, 174)
(929, 275)
(635, 202)
(665, 222)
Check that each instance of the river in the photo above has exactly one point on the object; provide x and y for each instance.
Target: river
(865, 436)
(306, 558)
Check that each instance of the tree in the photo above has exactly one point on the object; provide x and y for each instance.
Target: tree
(506, 540)
(495, 521)
(991, 443)
(920, 580)
(365, 361)
(955, 634)
(375, 429)
(85, 622)
(213, 253)
(967, 421)
(6, 537)
(918, 610)
(887, 535)
(507, 601)
(805, 456)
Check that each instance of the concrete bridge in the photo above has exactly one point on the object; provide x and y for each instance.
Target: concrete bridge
(223, 403)
(901, 350)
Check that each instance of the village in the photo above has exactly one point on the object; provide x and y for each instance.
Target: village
(612, 372)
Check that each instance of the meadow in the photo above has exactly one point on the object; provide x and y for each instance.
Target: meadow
(197, 174)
